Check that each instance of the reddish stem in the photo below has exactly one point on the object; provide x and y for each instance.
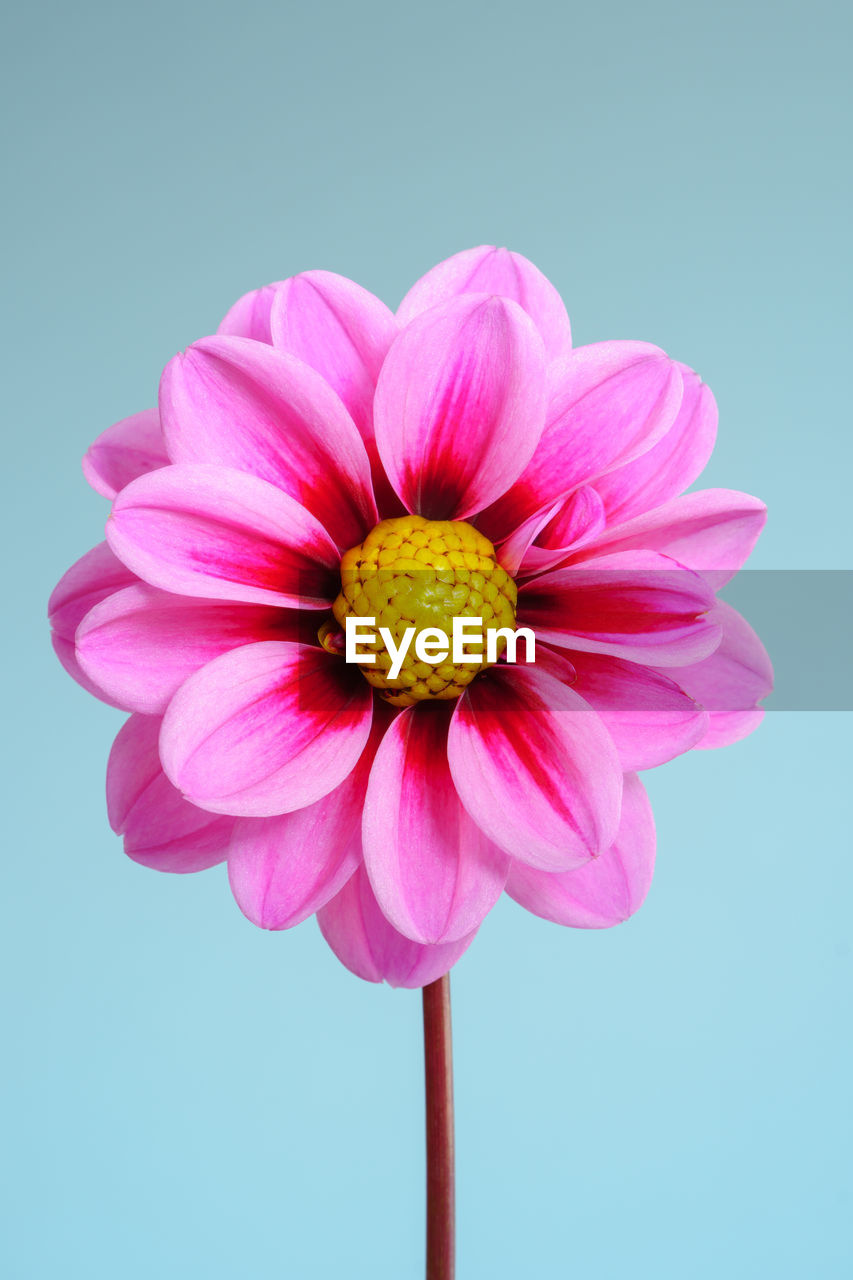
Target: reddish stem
(438, 1064)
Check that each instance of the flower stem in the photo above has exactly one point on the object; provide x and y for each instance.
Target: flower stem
(438, 1070)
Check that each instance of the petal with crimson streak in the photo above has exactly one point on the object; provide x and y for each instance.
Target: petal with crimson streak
(242, 404)
(434, 872)
(535, 767)
(460, 405)
(339, 329)
(345, 333)
(637, 605)
(203, 530)
(548, 538)
(266, 729)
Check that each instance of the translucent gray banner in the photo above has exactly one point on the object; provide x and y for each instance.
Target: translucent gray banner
(803, 617)
(805, 620)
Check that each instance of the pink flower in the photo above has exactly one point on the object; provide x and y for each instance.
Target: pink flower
(314, 415)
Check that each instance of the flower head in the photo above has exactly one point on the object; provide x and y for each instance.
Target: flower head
(321, 461)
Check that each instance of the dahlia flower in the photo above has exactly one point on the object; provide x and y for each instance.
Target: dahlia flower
(321, 459)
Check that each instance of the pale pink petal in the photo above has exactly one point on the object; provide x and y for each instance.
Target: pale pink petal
(606, 890)
(371, 948)
(241, 404)
(547, 539)
(732, 681)
(637, 605)
(339, 329)
(266, 729)
(203, 530)
(283, 869)
(670, 466)
(140, 644)
(64, 650)
(712, 531)
(434, 872)
(91, 579)
(535, 767)
(647, 714)
(160, 828)
(488, 269)
(610, 402)
(128, 449)
(250, 315)
(460, 405)
(726, 727)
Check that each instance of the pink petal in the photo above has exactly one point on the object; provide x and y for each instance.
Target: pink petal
(488, 269)
(210, 531)
(337, 328)
(547, 539)
(726, 727)
(283, 869)
(576, 517)
(670, 466)
(128, 449)
(535, 767)
(609, 888)
(610, 403)
(460, 405)
(434, 873)
(250, 315)
(91, 579)
(340, 330)
(266, 729)
(637, 605)
(161, 830)
(732, 681)
(513, 549)
(712, 531)
(648, 716)
(371, 948)
(241, 404)
(140, 644)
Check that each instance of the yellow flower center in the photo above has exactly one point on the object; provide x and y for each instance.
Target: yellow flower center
(411, 572)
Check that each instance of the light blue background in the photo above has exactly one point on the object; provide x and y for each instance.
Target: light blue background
(189, 1096)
